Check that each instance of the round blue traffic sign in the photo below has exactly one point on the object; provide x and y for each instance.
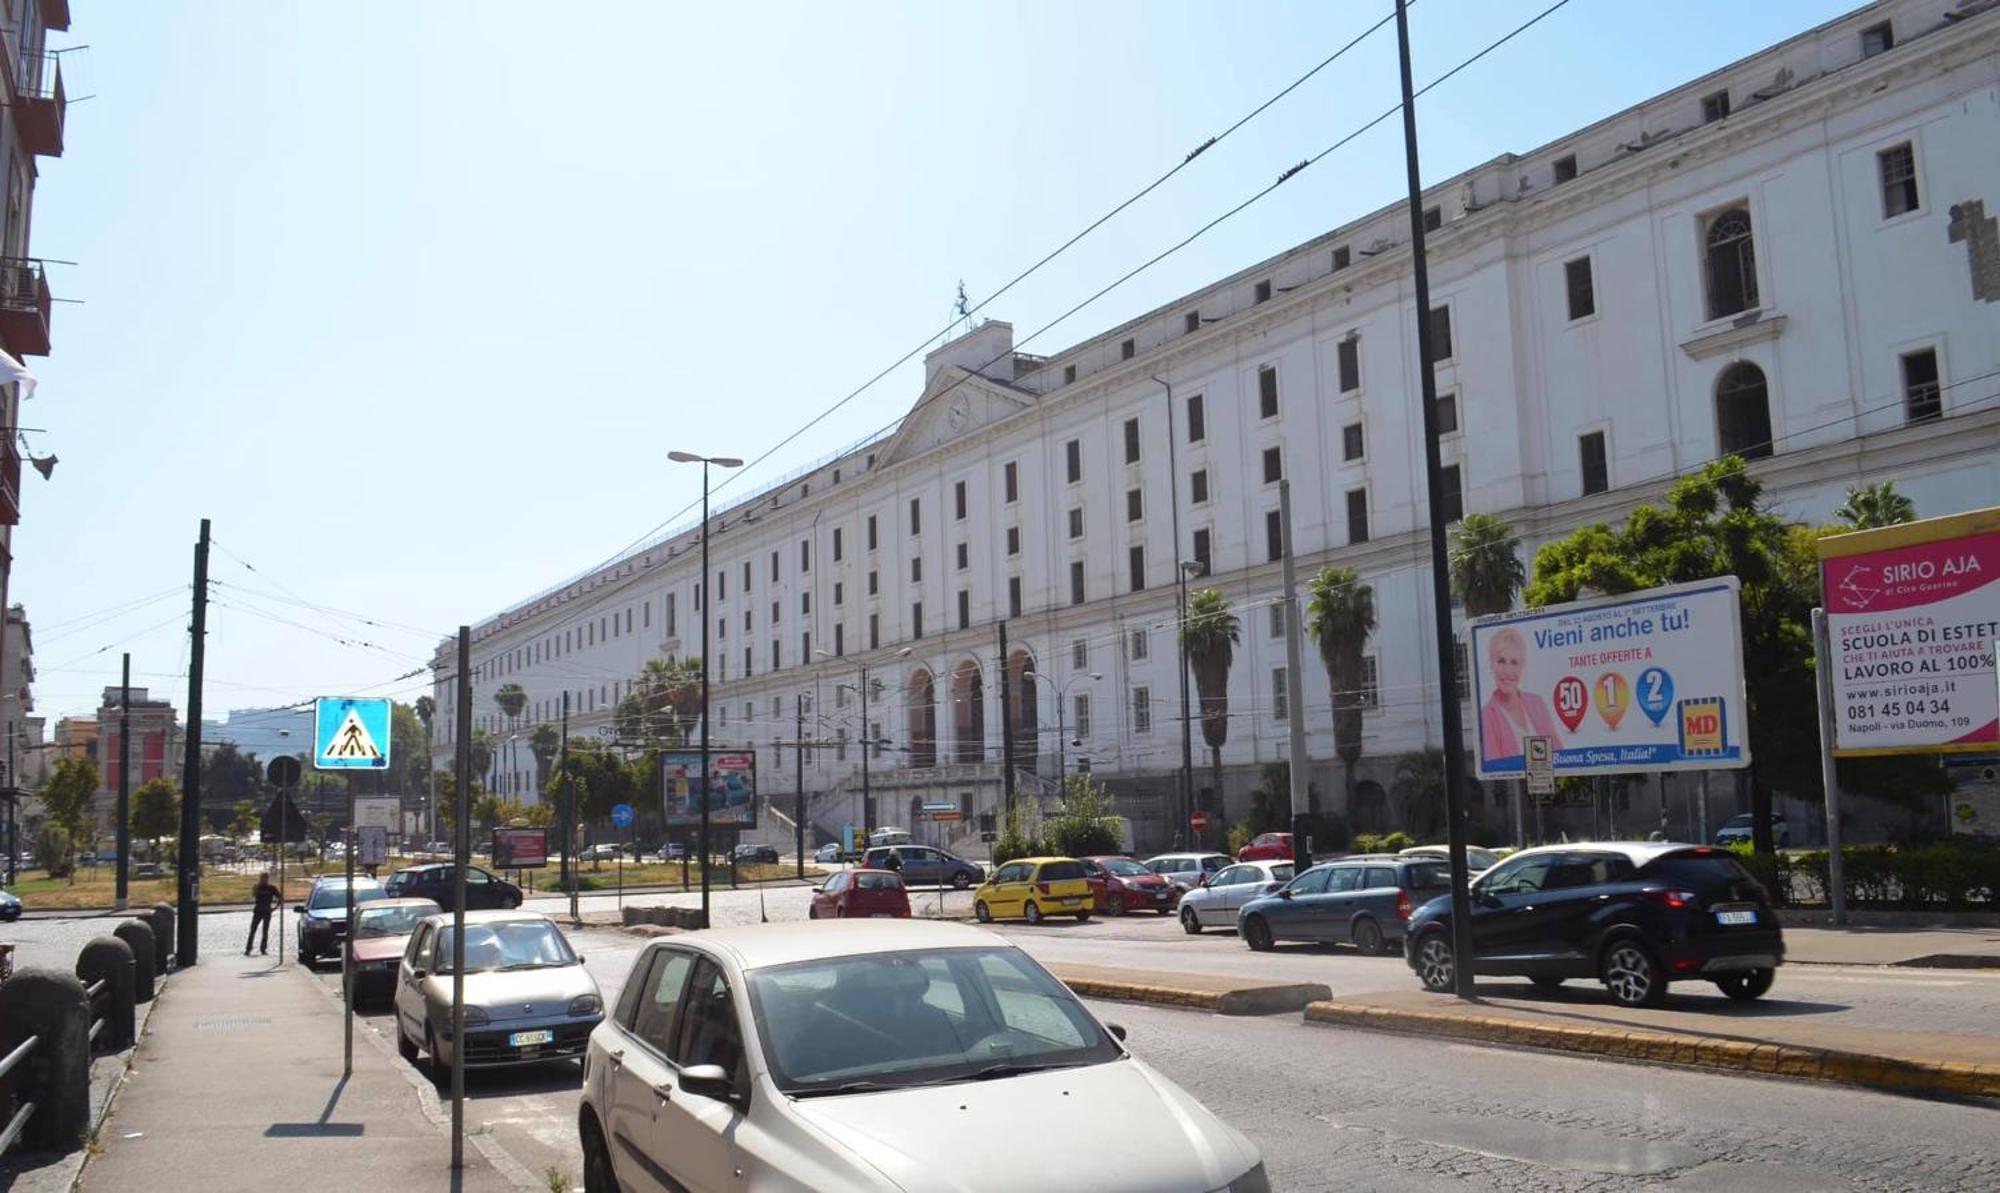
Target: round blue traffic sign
(621, 815)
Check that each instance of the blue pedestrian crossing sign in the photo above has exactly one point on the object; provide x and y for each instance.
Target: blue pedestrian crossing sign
(350, 734)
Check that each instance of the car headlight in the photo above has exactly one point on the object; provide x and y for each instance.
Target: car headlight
(475, 1017)
(1253, 1181)
(585, 1004)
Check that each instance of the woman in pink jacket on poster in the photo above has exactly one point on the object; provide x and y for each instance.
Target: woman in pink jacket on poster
(1510, 713)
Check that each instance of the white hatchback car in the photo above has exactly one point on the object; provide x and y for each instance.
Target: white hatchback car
(1214, 904)
(848, 1055)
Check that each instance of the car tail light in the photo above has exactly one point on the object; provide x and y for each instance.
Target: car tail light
(1403, 907)
(1674, 899)
(1043, 887)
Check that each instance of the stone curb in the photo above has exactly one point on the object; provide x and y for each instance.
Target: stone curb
(1895, 1073)
(1251, 998)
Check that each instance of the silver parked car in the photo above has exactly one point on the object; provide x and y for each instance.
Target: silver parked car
(1214, 905)
(1186, 870)
(528, 997)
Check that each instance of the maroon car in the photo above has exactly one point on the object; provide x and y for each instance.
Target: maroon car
(381, 932)
(1120, 884)
(854, 894)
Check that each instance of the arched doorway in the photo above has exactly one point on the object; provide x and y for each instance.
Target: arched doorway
(1743, 412)
(968, 714)
(1370, 813)
(922, 701)
(1026, 713)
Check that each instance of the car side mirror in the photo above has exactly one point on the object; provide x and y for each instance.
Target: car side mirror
(819, 890)
(1117, 1031)
(419, 973)
(1285, 894)
(706, 1081)
(298, 909)
(1203, 883)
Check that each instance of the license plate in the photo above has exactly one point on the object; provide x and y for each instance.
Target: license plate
(524, 1039)
(882, 915)
(1735, 917)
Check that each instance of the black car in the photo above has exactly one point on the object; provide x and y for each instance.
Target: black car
(483, 892)
(757, 853)
(1635, 916)
(323, 916)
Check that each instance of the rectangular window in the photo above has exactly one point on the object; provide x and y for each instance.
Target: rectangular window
(1433, 218)
(1079, 655)
(1342, 258)
(673, 618)
(964, 556)
(1371, 691)
(1073, 460)
(1142, 710)
(1274, 535)
(839, 639)
(1191, 322)
(1013, 540)
(1076, 522)
(916, 516)
(964, 609)
(774, 654)
(916, 569)
(874, 583)
(1877, 39)
(1262, 292)
(1198, 486)
(645, 617)
(1582, 293)
(1069, 374)
(958, 500)
(775, 615)
(1128, 349)
(874, 631)
(1136, 643)
(1131, 441)
(1076, 582)
(871, 532)
(1279, 708)
(1440, 334)
(836, 544)
(1201, 541)
(1565, 168)
(1267, 392)
(1461, 669)
(1010, 480)
(1138, 562)
(1080, 704)
(1135, 504)
(1921, 396)
(721, 586)
(746, 571)
(1277, 620)
(805, 555)
(1447, 414)
(806, 603)
(1715, 107)
(1898, 166)
(1596, 469)
(805, 648)
(1357, 515)
(1197, 420)
(916, 619)
(1013, 596)
(1274, 466)
(1351, 443)
(747, 627)
(1349, 351)
(1451, 493)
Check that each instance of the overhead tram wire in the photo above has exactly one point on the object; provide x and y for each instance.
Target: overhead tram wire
(328, 610)
(355, 643)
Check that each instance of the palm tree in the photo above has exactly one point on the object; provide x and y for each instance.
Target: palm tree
(1486, 567)
(544, 741)
(1340, 615)
(1210, 636)
(426, 711)
(1870, 506)
(512, 699)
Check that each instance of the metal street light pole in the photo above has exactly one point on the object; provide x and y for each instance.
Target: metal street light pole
(1180, 637)
(707, 609)
(1062, 728)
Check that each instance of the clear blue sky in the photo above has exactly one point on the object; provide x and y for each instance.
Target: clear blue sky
(413, 299)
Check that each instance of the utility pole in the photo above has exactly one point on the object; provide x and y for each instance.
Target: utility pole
(187, 920)
(347, 943)
(461, 849)
(867, 797)
(120, 899)
(707, 613)
(799, 745)
(1180, 627)
(1454, 759)
(1836, 864)
(568, 813)
(1295, 694)
(1007, 727)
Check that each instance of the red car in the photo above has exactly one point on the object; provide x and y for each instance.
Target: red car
(1267, 847)
(1119, 885)
(854, 894)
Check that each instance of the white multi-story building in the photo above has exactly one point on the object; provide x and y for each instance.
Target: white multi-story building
(1790, 259)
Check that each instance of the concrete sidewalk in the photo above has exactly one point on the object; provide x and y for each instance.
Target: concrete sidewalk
(237, 1085)
(1940, 948)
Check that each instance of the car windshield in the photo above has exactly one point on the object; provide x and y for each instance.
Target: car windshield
(1432, 876)
(514, 944)
(1124, 867)
(1060, 871)
(330, 896)
(921, 1017)
(392, 921)
(877, 882)
(1282, 872)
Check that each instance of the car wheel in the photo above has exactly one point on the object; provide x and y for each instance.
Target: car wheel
(1748, 985)
(1545, 981)
(405, 1048)
(812, 913)
(1632, 976)
(513, 901)
(1115, 905)
(981, 912)
(440, 1067)
(1257, 934)
(1435, 968)
(307, 958)
(961, 881)
(839, 913)
(1368, 938)
(597, 1174)
(1032, 912)
(1190, 922)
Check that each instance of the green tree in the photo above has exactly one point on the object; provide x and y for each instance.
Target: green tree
(1486, 568)
(409, 750)
(1210, 636)
(1340, 615)
(245, 820)
(66, 795)
(156, 810)
(228, 775)
(321, 826)
(482, 754)
(426, 710)
(1871, 506)
(602, 779)
(55, 850)
(1085, 825)
(544, 741)
(664, 703)
(1271, 801)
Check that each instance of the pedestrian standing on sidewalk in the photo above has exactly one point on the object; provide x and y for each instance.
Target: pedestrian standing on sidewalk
(268, 896)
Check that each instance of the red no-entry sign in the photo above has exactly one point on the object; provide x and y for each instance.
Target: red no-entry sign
(1198, 822)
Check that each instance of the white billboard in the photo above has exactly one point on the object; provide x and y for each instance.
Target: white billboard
(1648, 681)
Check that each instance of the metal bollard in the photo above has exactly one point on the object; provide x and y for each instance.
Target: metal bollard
(162, 917)
(109, 959)
(50, 1006)
(138, 935)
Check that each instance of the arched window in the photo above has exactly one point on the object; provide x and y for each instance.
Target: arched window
(1732, 264)
(968, 713)
(923, 720)
(1743, 412)
(1022, 690)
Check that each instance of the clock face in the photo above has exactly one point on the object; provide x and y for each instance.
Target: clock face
(960, 413)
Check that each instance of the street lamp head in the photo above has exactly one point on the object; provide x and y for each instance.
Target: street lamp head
(1194, 567)
(1096, 675)
(725, 461)
(903, 653)
(684, 457)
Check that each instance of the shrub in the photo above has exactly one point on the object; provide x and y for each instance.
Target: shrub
(1021, 835)
(1394, 842)
(1773, 870)
(54, 852)
(1084, 825)
(1239, 836)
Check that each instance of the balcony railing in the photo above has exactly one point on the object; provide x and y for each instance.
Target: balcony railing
(24, 306)
(41, 105)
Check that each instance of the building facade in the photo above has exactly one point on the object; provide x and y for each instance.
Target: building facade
(159, 744)
(1790, 259)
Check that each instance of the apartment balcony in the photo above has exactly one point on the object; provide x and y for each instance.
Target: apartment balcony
(39, 105)
(55, 13)
(24, 306)
(10, 482)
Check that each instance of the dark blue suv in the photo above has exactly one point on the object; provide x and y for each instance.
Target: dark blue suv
(1633, 915)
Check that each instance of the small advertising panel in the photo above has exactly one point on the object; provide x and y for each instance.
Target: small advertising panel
(520, 848)
(729, 788)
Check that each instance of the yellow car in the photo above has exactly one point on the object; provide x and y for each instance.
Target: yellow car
(1034, 888)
